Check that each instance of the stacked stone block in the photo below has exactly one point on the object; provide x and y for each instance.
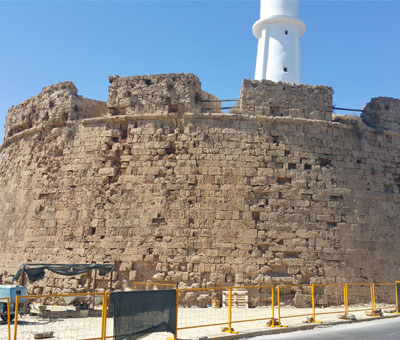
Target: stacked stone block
(201, 198)
(382, 114)
(267, 98)
(53, 107)
(162, 93)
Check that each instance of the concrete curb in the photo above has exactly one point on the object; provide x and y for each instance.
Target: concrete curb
(292, 329)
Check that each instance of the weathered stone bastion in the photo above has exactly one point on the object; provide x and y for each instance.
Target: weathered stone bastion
(161, 183)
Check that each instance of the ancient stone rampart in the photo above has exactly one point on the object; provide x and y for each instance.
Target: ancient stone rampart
(383, 114)
(53, 107)
(161, 94)
(266, 98)
(168, 189)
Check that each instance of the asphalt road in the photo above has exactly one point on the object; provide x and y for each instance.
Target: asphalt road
(386, 329)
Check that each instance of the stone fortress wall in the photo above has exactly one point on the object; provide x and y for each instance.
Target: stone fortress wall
(161, 183)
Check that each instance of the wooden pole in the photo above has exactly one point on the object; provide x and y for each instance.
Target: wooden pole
(23, 278)
(95, 281)
(94, 287)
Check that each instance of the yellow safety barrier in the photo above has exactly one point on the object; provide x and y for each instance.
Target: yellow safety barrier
(361, 297)
(295, 301)
(6, 300)
(224, 306)
(253, 303)
(323, 299)
(63, 316)
(329, 299)
(211, 309)
(385, 296)
(152, 286)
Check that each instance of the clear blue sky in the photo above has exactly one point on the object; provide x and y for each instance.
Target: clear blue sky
(353, 46)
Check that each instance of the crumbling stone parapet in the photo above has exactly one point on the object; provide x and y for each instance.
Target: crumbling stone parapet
(161, 93)
(53, 107)
(382, 113)
(267, 98)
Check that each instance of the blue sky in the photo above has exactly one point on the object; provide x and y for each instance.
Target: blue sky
(353, 46)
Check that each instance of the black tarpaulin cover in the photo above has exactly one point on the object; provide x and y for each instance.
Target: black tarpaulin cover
(137, 314)
(36, 272)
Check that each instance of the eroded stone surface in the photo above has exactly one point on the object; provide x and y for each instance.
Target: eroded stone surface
(53, 107)
(383, 114)
(282, 99)
(186, 195)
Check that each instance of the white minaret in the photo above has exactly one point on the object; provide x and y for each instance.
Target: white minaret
(278, 32)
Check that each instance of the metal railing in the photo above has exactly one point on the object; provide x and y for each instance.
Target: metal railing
(225, 306)
(206, 308)
(218, 101)
(333, 108)
(153, 286)
(329, 296)
(6, 300)
(60, 320)
(385, 296)
(295, 301)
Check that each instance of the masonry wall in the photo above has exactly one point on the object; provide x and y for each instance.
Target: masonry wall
(201, 198)
(267, 98)
(383, 113)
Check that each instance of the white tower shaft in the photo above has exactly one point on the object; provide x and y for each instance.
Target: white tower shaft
(278, 32)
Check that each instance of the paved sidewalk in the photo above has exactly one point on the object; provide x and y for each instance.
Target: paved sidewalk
(387, 329)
